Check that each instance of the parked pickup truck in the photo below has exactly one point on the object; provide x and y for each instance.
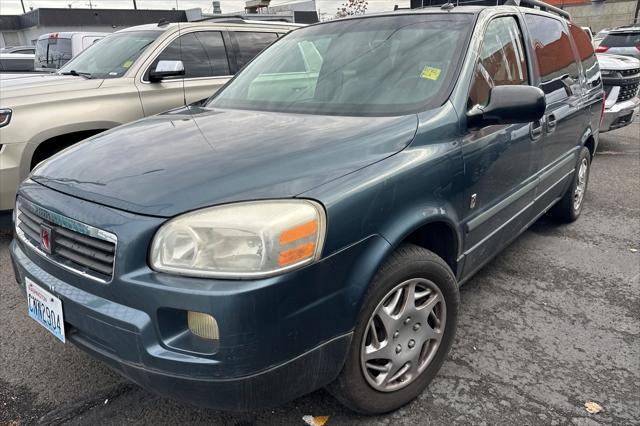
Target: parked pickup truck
(621, 79)
(53, 50)
(310, 224)
(133, 73)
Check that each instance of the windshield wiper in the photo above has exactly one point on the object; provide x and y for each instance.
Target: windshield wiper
(86, 75)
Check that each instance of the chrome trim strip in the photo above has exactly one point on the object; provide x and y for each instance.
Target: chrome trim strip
(67, 223)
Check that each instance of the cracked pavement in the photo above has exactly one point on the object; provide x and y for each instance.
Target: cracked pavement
(551, 323)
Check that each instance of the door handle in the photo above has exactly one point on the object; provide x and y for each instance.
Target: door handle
(551, 123)
(535, 130)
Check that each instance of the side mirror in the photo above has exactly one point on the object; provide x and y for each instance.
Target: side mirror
(509, 105)
(166, 69)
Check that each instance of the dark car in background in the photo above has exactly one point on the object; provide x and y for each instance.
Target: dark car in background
(310, 224)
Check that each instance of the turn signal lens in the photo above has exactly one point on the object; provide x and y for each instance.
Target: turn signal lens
(299, 232)
(601, 49)
(203, 325)
(297, 254)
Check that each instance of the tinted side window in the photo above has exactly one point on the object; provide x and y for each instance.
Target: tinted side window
(202, 53)
(553, 51)
(250, 44)
(502, 60)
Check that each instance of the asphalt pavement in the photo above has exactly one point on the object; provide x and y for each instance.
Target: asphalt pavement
(549, 325)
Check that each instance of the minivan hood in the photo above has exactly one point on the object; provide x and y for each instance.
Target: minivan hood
(176, 162)
(44, 84)
(610, 62)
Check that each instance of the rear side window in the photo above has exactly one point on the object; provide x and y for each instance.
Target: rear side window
(552, 46)
(629, 39)
(585, 51)
(502, 60)
(250, 44)
(202, 53)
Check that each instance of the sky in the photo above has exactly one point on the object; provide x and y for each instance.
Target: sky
(13, 7)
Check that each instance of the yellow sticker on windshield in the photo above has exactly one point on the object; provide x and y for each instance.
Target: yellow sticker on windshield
(430, 73)
(127, 64)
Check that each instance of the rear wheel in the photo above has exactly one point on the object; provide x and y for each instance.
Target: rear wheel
(404, 332)
(569, 207)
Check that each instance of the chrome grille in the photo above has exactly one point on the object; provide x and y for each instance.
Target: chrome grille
(628, 91)
(73, 245)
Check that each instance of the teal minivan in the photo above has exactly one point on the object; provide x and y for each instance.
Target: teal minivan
(310, 225)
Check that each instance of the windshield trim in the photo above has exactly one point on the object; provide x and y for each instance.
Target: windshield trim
(416, 108)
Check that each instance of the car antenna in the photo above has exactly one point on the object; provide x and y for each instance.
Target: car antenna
(163, 22)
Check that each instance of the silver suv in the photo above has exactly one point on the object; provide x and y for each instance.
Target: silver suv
(622, 41)
(130, 74)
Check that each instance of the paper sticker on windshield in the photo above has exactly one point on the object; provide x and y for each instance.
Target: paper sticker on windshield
(430, 73)
(127, 64)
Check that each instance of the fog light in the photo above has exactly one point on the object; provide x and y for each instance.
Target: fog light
(203, 325)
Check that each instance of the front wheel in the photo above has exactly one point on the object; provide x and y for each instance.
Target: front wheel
(569, 207)
(404, 332)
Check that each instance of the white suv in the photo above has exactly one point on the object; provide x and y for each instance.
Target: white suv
(130, 74)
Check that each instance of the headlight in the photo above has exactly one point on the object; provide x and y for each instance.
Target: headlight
(241, 240)
(5, 116)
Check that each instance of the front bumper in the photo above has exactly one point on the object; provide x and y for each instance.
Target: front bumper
(280, 337)
(621, 114)
(115, 334)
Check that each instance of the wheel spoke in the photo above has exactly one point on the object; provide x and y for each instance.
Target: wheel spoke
(430, 304)
(377, 367)
(392, 306)
(399, 373)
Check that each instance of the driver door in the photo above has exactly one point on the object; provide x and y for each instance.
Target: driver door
(204, 57)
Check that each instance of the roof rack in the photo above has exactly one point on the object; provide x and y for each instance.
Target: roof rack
(540, 5)
(240, 19)
(534, 4)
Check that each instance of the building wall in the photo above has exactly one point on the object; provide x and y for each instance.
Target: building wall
(603, 15)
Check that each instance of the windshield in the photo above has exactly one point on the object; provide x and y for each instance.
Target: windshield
(52, 52)
(387, 65)
(112, 56)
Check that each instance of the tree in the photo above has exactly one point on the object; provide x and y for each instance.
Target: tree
(351, 8)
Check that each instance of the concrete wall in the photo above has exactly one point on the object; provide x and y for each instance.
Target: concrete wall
(603, 15)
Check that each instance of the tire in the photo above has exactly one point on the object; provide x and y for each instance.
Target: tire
(357, 386)
(568, 209)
